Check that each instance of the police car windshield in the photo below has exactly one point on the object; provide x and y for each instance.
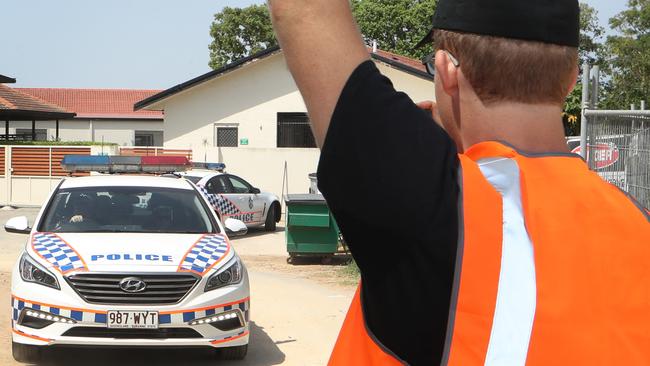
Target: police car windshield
(127, 209)
(192, 178)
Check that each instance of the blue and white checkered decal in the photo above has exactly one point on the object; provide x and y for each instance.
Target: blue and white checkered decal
(219, 203)
(188, 316)
(80, 316)
(56, 251)
(90, 317)
(209, 250)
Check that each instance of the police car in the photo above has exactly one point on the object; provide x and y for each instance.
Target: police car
(128, 260)
(234, 197)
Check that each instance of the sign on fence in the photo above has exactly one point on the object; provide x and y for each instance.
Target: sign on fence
(618, 148)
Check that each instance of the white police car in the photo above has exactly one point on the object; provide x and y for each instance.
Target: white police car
(128, 261)
(234, 197)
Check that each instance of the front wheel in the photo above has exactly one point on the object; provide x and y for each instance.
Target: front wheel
(233, 353)
(25, 353)
(270, 224)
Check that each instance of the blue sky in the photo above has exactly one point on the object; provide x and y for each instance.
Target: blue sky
(148, 44)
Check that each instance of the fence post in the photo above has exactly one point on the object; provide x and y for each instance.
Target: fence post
(585, 105)
(8, 171)
(595, 75)
(50, 171)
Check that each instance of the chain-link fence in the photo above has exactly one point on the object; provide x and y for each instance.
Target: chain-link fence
(618, 148)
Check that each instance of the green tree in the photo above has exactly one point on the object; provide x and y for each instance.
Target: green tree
(629, 57)
(396, 25)
(240, 32)
(591, 35)
(590, 51)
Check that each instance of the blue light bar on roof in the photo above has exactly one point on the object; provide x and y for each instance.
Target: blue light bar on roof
(85, 163)
(124, 164)
(220, 167)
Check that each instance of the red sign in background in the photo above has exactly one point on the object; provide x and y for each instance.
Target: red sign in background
(604, 154)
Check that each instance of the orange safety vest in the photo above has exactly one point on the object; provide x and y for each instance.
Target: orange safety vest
(553, 268)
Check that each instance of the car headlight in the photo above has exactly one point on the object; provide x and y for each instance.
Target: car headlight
(232, 274)
(31, 271)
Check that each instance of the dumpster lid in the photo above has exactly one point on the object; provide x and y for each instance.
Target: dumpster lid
(304, 198)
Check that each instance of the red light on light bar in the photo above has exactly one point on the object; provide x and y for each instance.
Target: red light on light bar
(165, 160)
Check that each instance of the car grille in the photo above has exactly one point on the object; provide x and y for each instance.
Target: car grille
(161, 333)
(104, 288)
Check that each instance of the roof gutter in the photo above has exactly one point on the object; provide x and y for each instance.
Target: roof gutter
(398, 65)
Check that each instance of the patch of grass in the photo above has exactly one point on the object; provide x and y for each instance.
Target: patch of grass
(350, 274)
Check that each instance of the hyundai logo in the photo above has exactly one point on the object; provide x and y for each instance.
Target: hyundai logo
(132, 285)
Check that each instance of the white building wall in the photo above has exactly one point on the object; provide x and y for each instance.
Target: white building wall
(121, 132)
(417, 88)
(264, 167)
(70, 130)
(250, 99)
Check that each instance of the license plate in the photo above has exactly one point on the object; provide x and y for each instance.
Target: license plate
(132, 319)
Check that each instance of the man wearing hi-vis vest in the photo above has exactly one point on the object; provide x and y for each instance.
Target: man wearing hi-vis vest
(481, 240)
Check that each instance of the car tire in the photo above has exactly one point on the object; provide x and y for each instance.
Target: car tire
(25, 353)
(233, 353)
(270, 224)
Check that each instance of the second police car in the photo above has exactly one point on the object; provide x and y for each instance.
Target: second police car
(128, 261)
(234, 197)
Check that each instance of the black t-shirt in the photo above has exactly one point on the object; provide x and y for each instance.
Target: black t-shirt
(390, 176)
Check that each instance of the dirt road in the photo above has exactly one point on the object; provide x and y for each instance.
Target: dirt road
(296, 310)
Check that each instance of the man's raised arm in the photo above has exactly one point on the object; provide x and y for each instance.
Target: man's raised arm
(322, 46)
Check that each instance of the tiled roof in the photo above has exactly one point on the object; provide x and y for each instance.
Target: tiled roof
(406, 61)
(13, 99)
(97, 103)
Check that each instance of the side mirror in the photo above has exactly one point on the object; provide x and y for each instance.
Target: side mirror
(255, 191)
(235, 227)
(18, 225)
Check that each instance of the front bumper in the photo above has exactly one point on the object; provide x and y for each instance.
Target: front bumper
(90, 320)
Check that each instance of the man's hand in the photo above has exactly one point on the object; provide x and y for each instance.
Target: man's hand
(431, 107)
(322, 46)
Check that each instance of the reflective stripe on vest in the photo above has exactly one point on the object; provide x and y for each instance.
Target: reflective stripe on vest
(515, 304)
(553, 268)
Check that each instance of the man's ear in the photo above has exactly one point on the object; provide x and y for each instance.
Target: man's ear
(573, 80)
(447, 73)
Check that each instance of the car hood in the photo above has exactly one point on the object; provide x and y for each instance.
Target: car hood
(119, 252)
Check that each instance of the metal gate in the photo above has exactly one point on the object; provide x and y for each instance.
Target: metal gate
(616, 143)
(618, 148)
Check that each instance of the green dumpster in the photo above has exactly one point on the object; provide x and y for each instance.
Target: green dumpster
(310, 229)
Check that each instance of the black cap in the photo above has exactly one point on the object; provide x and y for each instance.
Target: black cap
(548, 21)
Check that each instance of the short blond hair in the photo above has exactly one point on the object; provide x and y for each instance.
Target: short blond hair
(504, 69)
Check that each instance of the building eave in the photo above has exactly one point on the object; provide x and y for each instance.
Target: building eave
(203, 78)
(7, 80)
(117, 117)
(28, 115)
(400, 66)
(143, 104)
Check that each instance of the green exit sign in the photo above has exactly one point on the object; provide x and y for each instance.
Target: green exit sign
(243, 141)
